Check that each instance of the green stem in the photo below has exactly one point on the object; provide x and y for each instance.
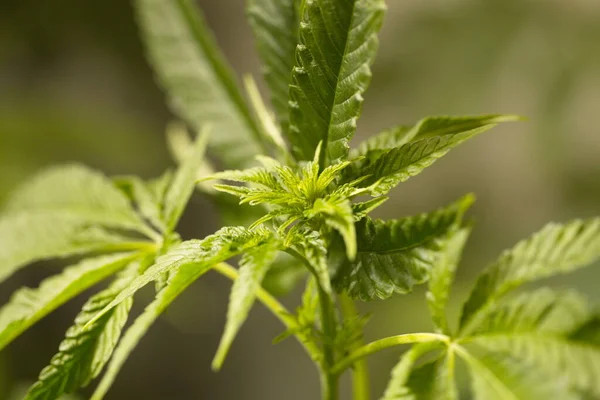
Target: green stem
(361, 387)
(329, 380)
(273, 305)
(386, 343)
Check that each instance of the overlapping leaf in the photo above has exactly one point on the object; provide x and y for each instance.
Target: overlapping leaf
(497, 377)
(182, 185)
(220, 246)
(442, 276)
(51, 216)
(86, 347)
(253, 267)
(394, 256)
(398, 164)
(556, 249)
(275, 24)
(27, 306)
(337, 45)
(177, 283)
(428, 127)
(199, 83)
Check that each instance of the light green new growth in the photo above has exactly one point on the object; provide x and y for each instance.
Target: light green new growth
(306, 211)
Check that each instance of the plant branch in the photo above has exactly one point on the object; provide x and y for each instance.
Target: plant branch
(361, 386)
(385, 343)
(273, 305)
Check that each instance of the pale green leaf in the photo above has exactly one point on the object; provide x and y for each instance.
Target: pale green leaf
(398, 164)
(337, 213)
(388, 139)
(393, 256)
(428, 127)
(220, 246)
(253, 267)
(556, 249)
(337, 44)
(148, 198)
(503, 378)
(27, 306)
(76, 192)
(541, 311)
(275, 24)
(86, 347)
(185, 275)
(270, 132)
(576, 362)
(183, 182)
(441, 278)
(199, 83)
(27, 237)
(398, 387)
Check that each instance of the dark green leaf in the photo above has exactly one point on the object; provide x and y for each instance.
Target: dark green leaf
(337, 45)
(394, 256)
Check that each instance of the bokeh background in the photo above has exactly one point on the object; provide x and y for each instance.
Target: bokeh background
(74, 86)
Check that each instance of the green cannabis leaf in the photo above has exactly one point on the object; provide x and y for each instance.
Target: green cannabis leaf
(199, 83)
(337, 43)
(393, 256)
(306, 215)
(275, 24)
(86, 348)
(27, 306)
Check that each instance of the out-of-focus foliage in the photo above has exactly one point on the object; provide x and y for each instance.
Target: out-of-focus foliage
(95, 100)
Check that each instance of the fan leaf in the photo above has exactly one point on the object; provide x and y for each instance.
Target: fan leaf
(556, 249)
(27, 306)
(393, 256)
(253, 267)
(275, 24)
(337, 44)
(185, 275)
(220, 246)
(442, 276)
(86, 347)
(182, 185)
(199, 83)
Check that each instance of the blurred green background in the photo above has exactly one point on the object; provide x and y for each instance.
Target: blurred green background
(74, 86)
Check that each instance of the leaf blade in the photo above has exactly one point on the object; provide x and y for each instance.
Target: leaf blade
(253, 268)
(28, 306)
(556, 249)
(85, 349)
(275, 25)
(394, 256)
(337, 45)
(200, 85)
(177, 283)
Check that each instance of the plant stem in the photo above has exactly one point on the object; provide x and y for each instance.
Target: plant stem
(385, 343)
(360, 370)
(329, 380)
(278, 310)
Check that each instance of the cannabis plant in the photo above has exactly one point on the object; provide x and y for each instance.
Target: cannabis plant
(308, 196)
